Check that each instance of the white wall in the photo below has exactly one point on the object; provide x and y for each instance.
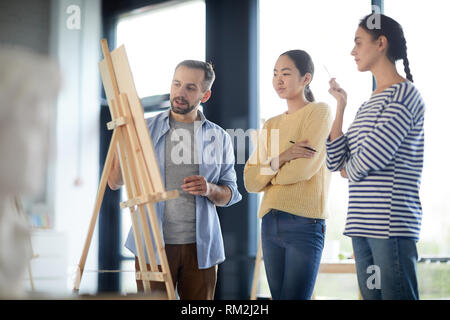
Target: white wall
(75, 152)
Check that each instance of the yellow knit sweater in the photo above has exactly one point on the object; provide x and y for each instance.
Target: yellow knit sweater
(300, 186)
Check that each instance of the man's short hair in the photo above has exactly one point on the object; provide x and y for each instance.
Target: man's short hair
(207, 68)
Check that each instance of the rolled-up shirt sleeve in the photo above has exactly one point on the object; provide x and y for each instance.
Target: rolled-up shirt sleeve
(227, 173)
(338, 153)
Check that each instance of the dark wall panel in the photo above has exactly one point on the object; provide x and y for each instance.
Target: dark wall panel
(231, 45)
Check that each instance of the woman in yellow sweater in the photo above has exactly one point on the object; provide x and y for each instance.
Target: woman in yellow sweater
(288, 165)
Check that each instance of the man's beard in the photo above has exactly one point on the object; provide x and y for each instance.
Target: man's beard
(179, 110)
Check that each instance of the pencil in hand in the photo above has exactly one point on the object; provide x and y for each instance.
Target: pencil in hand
(308, 148)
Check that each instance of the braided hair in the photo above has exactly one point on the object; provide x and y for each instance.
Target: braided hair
(393, 31)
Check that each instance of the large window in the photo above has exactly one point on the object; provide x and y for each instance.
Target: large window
(156, 39)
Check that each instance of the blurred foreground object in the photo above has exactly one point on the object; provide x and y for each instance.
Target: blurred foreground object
(29, 84)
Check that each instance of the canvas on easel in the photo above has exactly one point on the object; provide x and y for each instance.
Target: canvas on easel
(139, 167)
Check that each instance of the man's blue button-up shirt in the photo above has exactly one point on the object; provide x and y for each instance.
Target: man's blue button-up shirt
(216, 163)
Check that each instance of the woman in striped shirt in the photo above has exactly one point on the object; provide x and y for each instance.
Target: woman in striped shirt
(382, 157)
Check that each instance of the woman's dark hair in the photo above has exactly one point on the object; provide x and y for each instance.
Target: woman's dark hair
(393, 31)
(304, 64)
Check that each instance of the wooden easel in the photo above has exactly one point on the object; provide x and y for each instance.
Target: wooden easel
(139, 168)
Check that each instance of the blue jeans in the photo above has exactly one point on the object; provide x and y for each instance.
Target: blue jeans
(292, 248)
(386, 268)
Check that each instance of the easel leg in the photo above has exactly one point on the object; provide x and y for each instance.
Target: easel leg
(98, 203)
(30, 275)
(161, 252)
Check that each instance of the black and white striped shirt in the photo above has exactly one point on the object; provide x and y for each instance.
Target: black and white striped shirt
(382, 153)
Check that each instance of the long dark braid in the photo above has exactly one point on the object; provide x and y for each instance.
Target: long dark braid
(406, 66)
